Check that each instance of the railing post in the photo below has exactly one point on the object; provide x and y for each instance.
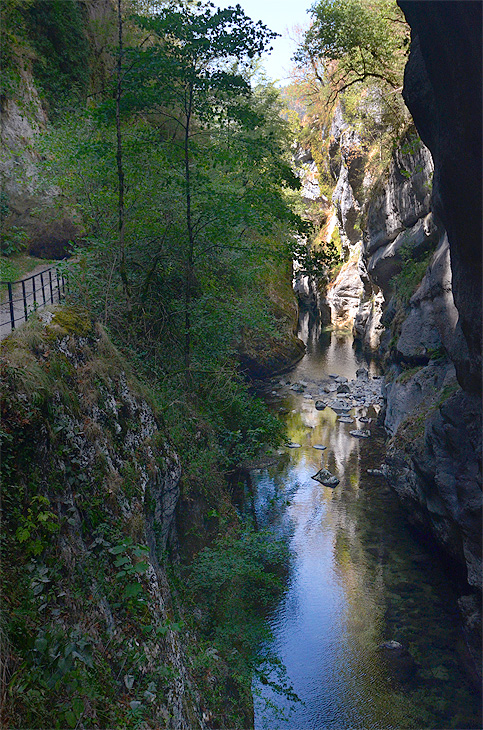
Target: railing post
(10, 301)
(58, 284)
(51, 288)
(42, 285)
(24, 295)
(34, 292)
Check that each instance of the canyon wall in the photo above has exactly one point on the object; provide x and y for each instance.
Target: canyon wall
(414, 293)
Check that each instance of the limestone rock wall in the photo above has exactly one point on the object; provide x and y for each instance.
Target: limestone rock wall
(84, 442)
(433, 388)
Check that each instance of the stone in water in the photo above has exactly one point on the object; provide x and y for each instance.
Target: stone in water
(320, 405)
(358, 433)
(345, 419)
(294, 446)
(326, 478)
(319, 446)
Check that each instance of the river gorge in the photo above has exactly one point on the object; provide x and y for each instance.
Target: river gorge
(368, 627)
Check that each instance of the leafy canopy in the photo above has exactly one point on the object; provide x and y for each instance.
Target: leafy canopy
(199, 54)
(356, 40)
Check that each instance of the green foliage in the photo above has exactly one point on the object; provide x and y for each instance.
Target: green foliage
(194, 263)
(316, 260)
(412, 271)
(232, 585)
(246, 427)
(36, 527)
(56, 31)
(9, 271)
(356, 40)
(13, 240)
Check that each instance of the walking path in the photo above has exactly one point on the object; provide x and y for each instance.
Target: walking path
(26, 297)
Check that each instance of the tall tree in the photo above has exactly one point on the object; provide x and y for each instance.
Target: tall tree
(193, 71)
(356, 40)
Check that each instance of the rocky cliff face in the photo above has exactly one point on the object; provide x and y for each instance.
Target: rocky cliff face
(31, 207)
(434, 383)
(419, 285)
(443, 90)
(90, 489)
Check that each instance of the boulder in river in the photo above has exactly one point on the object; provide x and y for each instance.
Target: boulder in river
(319, 446)
(340, 406)
(293, 446)
(326, 478)
(298, 388)
(320, 405)
(345, 419)
(343, 388)
(360, 434)
(362, 373)
(342, 379)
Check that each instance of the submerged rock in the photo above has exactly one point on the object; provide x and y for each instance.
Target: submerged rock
(399, 662)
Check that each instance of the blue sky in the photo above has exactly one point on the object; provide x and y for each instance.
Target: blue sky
(280, 16)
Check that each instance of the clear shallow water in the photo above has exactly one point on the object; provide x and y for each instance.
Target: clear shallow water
(358, 578)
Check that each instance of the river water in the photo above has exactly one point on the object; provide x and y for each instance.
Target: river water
(358, 578)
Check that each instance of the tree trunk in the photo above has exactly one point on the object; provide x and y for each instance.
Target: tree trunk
(191, 243)
(120, 168)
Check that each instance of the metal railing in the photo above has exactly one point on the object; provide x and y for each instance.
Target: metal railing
(27, 295)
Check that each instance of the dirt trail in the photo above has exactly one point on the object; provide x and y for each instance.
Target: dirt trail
(18, 302)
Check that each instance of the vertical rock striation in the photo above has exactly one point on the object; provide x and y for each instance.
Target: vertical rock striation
(433, 388)
(443, 90)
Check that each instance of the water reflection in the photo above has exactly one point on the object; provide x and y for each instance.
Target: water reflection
(358, 579)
